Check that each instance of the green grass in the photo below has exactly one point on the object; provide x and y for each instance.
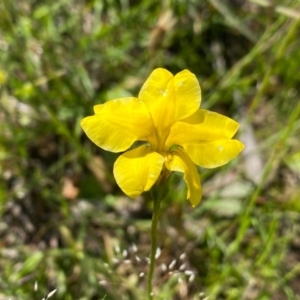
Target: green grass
(64, 222)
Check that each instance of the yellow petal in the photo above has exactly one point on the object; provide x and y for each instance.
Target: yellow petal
(137, 170)
(117, 124)
(202, 126)
(217, 124)
(213, 154)
(170, 98)
(180, 162)
(188, 94)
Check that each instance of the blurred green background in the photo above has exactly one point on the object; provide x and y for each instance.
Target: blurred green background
(66, 229)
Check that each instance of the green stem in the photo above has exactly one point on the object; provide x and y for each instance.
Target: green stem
(155, 219)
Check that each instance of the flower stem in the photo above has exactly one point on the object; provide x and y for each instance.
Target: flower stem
(155, 219)
(158, 193)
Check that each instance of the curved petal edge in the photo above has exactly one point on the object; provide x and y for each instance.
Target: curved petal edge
(180, 162)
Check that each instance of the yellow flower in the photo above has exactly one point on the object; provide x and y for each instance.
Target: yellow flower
(177, 134)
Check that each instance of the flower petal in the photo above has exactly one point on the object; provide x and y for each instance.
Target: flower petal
(117, 124)
(170, 98)
(137, 170)
(188, 94)
(213, 154)
(180, 162)
(202, 126)
(216, 124)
